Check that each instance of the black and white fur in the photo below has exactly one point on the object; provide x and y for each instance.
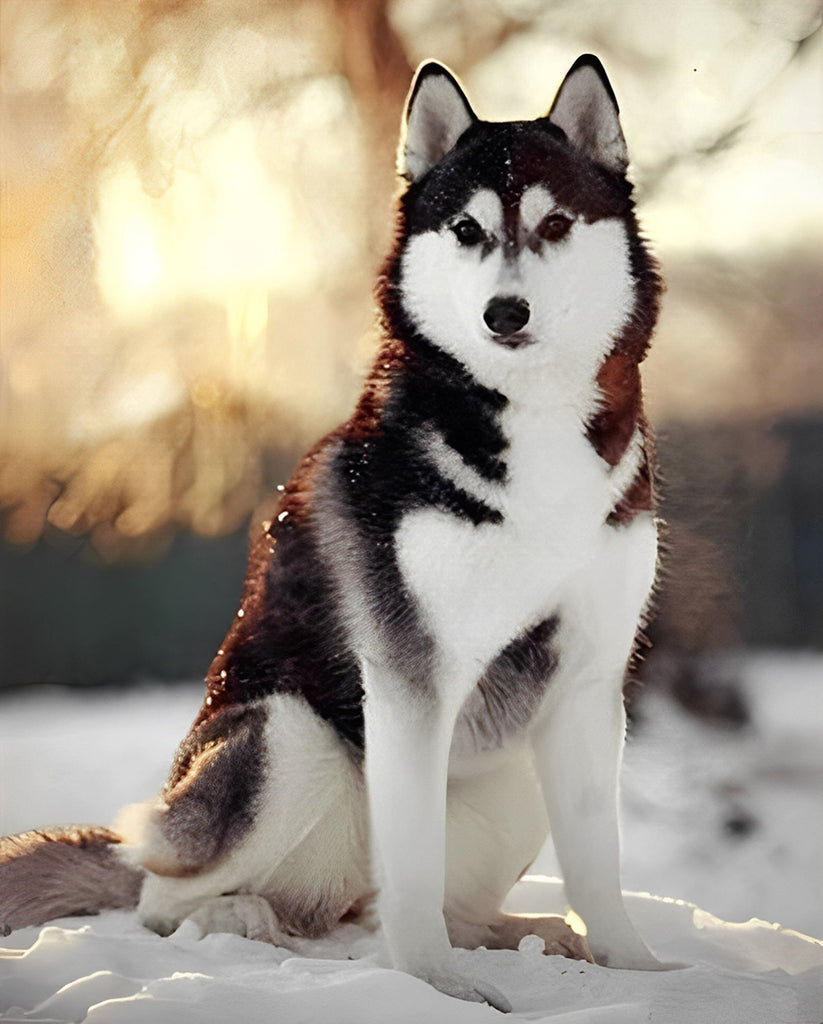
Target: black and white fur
(427, 664)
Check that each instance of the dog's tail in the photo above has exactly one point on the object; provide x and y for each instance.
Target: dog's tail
(61, 872)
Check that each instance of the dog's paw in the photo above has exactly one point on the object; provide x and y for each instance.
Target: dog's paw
(573, 946)
(561, 940)
(241, 914)
(159, 924)
(509, 930)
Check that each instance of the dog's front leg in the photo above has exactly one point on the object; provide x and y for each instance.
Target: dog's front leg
(408, 736)
(578, 751)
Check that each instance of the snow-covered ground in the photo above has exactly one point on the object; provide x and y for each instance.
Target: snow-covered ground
(730, 820)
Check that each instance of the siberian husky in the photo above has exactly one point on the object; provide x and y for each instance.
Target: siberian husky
(427, 664)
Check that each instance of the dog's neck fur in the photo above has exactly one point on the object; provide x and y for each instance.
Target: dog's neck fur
(408, 365)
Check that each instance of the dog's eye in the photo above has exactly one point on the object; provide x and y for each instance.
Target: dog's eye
(468, 232)
(554, 227)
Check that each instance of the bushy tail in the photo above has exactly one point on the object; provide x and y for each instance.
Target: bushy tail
(60, 872)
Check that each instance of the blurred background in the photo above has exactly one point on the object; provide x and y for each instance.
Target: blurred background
(196, 198)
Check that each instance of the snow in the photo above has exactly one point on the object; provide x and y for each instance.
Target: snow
(733, 820)
(110, 969)
(79, 757)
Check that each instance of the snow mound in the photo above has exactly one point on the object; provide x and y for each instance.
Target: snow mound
(110, 970)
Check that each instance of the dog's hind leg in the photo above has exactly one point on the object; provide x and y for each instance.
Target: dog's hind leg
(188, 837)
(291, 860)
(210, 901)
(210, 800)
(247, 914)
(496, 826)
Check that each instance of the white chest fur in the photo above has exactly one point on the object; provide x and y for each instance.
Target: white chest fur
(479, 586)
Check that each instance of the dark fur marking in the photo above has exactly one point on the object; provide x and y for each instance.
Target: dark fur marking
(290, 638)
(214, 785)
(429, 387)
(508, 158)
(619, 383)
(382, 471)
(618, 380)
(512, 687)
(639, 496)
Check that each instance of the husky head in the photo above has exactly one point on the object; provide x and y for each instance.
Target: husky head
(518, 248)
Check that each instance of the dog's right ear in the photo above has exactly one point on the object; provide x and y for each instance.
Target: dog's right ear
(586, 109)
(437, 114)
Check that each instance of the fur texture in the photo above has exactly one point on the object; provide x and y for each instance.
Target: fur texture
(60, 872)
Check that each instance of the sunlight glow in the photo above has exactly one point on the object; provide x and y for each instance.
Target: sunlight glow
(576, 923)
(247, 311)
(130, 267)
(221, 227)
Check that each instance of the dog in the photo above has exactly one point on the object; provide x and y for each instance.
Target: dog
(427, 664)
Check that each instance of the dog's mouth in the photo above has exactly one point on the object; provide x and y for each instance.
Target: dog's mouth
(519, 339)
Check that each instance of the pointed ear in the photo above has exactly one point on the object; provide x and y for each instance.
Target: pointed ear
(586, 109)
(437, 114)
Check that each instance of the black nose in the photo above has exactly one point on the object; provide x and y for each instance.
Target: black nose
(506, 314)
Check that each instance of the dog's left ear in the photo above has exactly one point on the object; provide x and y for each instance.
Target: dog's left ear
(586, 109)
(437, 114)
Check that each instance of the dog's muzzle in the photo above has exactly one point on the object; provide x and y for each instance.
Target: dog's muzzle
(505, 315)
